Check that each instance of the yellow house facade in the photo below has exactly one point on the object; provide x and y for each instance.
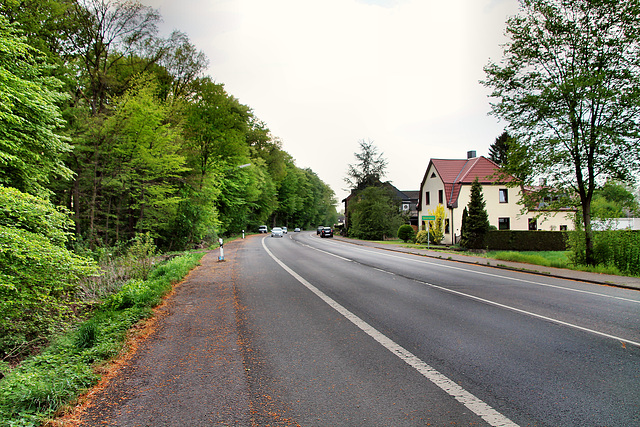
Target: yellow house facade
(448, 182)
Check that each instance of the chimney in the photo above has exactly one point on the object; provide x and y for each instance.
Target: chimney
(471, 154)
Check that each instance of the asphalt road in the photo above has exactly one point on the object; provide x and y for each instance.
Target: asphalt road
(304, 331)
(343, 335)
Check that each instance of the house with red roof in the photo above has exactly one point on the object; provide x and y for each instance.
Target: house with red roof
(448, 182)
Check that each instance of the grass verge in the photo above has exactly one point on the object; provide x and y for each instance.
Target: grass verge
(39, 386)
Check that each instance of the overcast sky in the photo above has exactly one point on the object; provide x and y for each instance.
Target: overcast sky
(324, 74)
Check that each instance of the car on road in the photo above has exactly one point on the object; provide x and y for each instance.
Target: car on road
(277, 232)
(296, 230)
(319, 229)
(284, 230)
(326, 232)
(263, 229)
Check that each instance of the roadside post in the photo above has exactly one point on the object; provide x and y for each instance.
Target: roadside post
(221, 257)
(428, 218)
(243, 234)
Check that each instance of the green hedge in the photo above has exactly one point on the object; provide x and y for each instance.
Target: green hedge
(512, 240)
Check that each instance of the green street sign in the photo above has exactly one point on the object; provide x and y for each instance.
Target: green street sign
(428, 217)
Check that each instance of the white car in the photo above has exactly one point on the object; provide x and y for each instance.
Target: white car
(277, 232)
(284, 230)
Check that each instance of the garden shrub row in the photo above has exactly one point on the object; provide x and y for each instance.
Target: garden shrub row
(38, 387)
(512, 240)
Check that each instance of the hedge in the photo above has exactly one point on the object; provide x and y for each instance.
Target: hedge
(512, 240)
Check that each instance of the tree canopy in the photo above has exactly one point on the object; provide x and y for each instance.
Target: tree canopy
(370, 168)
(569, 88)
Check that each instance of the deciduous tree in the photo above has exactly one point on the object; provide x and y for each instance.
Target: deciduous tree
(569, 88)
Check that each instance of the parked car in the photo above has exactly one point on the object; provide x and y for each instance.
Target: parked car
(326, 232)
(319, 229)
(277, 232)
(284, 230)
(296, 230)
(263, 229)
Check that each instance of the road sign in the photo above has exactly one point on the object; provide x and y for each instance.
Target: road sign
(428, 217)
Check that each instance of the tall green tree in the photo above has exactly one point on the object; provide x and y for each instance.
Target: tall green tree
(31, 148)
(499, 150)
(215, 128)
(614, 200)
(476, 224)
(145, 164)
(370, 168)
(569, 88)
(374, 214)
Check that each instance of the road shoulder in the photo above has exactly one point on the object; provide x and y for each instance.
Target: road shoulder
(188, 368)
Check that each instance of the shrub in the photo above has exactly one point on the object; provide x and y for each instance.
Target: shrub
(41, 384)
(405, 233)
(614, 248)
(517, 240)
(422, 237)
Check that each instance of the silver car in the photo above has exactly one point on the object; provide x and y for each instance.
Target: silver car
(277, 232)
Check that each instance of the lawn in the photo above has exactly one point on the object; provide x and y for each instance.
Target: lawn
(557, 259)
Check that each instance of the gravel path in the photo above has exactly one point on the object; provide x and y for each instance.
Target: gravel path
(189, 371)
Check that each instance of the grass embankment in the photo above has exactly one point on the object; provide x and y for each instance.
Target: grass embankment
(42, 384)
(556, 259)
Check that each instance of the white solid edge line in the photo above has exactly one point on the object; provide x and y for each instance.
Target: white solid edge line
(508, 307)
(411, 257)
(477, 406)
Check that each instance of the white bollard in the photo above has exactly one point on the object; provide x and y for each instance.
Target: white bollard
(221, 257)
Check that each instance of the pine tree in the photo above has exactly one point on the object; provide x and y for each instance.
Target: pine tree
(463, 228)
(477, 223)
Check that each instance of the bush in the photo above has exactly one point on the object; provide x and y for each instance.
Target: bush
(615, 248)
(405, 233)
(514, 240)
(41, 384)
(422, 237)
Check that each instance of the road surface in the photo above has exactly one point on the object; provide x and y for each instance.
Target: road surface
(319, 332)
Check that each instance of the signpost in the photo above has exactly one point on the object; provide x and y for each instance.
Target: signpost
(428, 218)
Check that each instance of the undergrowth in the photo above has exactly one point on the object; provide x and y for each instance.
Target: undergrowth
(42, 384)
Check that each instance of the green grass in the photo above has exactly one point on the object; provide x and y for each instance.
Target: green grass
(556, 259)
(40, 385)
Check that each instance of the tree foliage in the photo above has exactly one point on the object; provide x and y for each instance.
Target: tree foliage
(476, 223)
(31, 147)
(38, 275)
(369, 169)
(374, 213)
(569, 87)
(498, 151)
(102, 116)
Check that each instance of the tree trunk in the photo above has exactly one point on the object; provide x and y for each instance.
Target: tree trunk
(588, 232)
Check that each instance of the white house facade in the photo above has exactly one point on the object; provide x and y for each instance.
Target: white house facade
(448, 182)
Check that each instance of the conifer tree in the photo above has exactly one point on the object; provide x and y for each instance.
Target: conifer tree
(477, 222)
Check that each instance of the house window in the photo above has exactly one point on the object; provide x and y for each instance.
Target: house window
(433, 175)
(441, 197)
(427, 199)
(504, 224)
(563, 228)
(533, 224)
(504, 195)
(446, 226)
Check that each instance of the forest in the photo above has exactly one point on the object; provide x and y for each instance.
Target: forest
(113, 137)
